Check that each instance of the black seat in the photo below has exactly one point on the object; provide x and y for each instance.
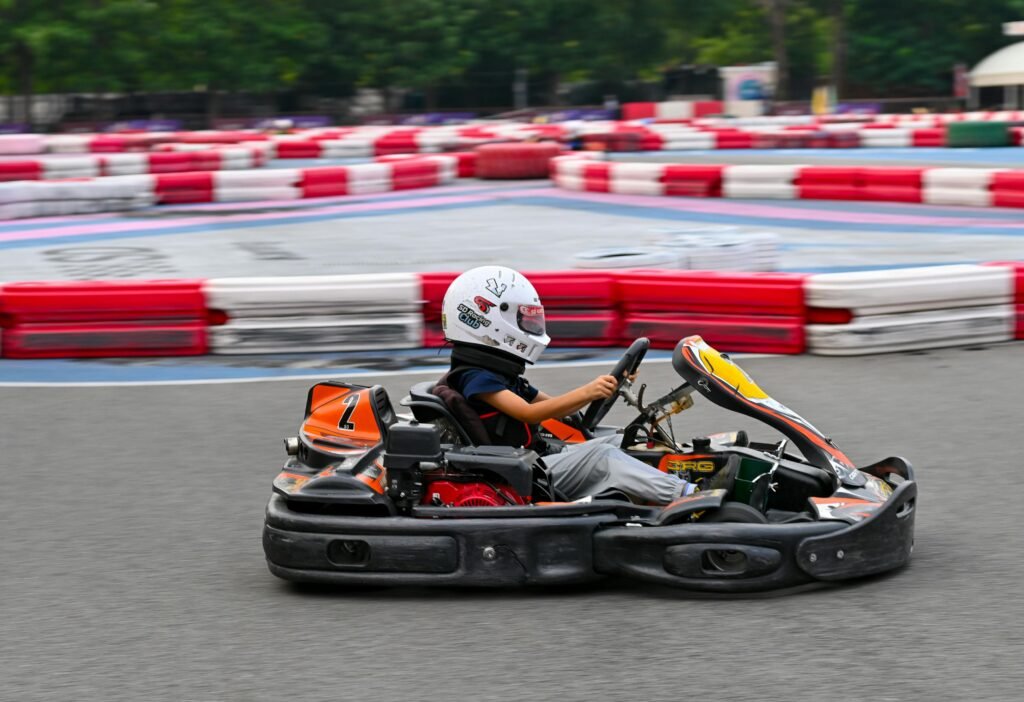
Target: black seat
(429, 408)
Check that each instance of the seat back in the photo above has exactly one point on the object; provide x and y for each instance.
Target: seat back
(430, 408)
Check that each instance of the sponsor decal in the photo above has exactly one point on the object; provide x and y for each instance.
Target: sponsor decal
(471, 318)
(676, 465)
(495, 288)
(290, 482)
(483, 304)
(345, 423)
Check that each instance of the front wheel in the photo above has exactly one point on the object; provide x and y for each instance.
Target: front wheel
(736, 512)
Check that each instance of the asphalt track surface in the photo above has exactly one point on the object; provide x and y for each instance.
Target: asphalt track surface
(132, 565)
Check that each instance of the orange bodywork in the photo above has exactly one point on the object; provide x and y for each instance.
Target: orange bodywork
(342, 415)
(562, 431)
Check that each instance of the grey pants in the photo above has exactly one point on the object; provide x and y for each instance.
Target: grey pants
(599, 465)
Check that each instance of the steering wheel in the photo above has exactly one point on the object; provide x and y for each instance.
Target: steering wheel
(627, 365)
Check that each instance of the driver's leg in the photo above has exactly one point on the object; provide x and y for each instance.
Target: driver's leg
(598, 466)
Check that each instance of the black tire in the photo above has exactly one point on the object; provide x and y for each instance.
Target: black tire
(737, 512)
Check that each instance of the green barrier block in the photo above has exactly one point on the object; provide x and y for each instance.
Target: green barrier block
(975, 134)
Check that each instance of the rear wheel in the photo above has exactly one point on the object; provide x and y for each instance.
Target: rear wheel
(728, 560)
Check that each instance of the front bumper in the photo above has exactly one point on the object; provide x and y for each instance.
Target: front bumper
(548, 550)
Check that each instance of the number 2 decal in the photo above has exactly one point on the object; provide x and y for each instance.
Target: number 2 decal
(350, 403)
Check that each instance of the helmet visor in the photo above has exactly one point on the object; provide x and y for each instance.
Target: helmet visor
(531, 319)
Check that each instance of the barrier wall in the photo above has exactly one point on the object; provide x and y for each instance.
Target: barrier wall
(114, 193)
(90, 166)
(974, 187)
(831, 314)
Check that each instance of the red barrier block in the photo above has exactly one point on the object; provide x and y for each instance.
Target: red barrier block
(104, 340)
(99, 318)
(693, 180)
(1008, 189)
(108, 144)
(298, 149)
(596, 177)
(1018, 291)
(403, 142)
(416, 173)
(324, 182)
(639, 110)
(929, 137)
(829, 183)
(219, 137)
(733, 139)
(180, 188)
(582, 328)
(652, 141)
(892, 184)
(20, 170)
(575, 290)
(207, 160)
(703, 108)
(90, 301)
(843, 140)
(466, 163)
(712, 292)
(172, 162)
(519, 160)
(726, 332)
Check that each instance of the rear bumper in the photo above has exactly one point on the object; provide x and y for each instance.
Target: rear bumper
(503, 552)
(491, 552)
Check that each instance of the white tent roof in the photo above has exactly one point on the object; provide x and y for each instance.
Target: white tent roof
(1004, 67)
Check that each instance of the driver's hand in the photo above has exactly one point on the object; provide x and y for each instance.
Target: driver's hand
(601, 387)
(631, 377)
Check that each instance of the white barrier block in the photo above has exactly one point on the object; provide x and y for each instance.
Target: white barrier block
(635, 187)
(674, 109)
(911, 289)
(68, 143)
(887, 137)
(569, 165)
(762, 173)
(232, 158)
(309, 295)
(71, 167)
(959, 177)
(255, 193)
(257, 178)
(21, 144)
(972, 197)
(913, 330)
(125, 164)
(347, 148)
(569, 182)
(771, 191)
(367, 178)
(317, 334)
(689, 142)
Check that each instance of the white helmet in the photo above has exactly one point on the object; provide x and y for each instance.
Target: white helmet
(497, 308)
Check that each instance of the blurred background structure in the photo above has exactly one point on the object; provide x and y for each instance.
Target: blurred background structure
(72, 65)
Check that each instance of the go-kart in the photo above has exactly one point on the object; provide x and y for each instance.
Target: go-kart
(368, 498)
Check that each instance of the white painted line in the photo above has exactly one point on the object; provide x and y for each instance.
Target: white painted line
(328, 373)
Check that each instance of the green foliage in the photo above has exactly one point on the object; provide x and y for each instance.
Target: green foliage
(333, 46)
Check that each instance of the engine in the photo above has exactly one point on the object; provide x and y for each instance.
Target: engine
(469, 494)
